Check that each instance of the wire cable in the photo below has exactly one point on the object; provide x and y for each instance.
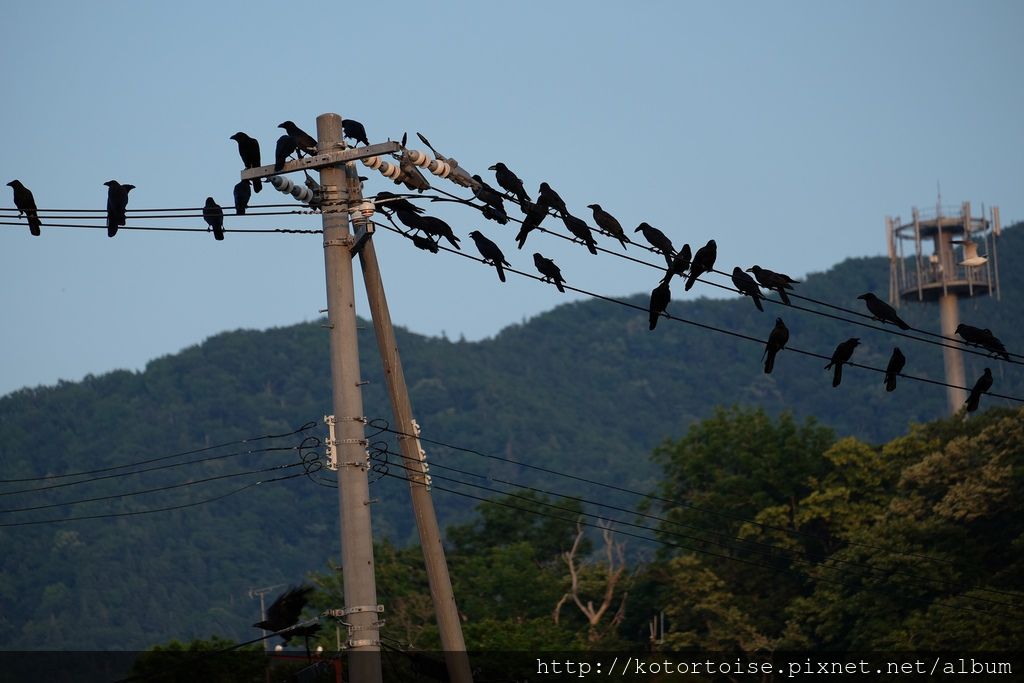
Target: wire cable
(227, 230)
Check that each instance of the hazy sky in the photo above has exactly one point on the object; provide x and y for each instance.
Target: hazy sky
(787, 131)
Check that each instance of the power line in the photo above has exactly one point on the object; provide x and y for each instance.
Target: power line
(227, 230)
(695, 323)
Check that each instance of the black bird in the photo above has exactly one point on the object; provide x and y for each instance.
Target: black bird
(660, 296)
(389, 201)
(549, 199)
(494, 207)
(213, 214)
(657, 239)
(284, 612)
(491, 253)
(680, 263)
(841, 355)
(550, 271)
(533, 219)
(424, 243)
(746, 285)
(983, 338)
(983, 384)
(777, 341)
(581, 231)
(304, 142)
(243, 194)
(26, 204)
(769, 279)
(249, 150)
(703, 261)
(510, 182)
(285, 146)
(117, 204)
(354, 130)
(609, 224)
(430, 225)
(896, 362)
(883, 311)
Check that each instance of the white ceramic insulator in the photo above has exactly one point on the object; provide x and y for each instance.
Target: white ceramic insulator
(302, 193)
(419, 158)
(390, 170)
(439, 168)
(366, 209)
(282, 184)
(372, 162)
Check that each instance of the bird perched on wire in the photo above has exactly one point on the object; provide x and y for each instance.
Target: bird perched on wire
(491, 253)
(883, 311)
(982, 386)
(549, 199)
(983, 338)
(533, 219)
(213, 214)
(769, 279)
(389, 201)
(284, 612)
(841, 355)
(428, 224)
(304, 142)
(26, 204)
(660, 296)
(242, 194)
(511, 183)
(551, 272)
(580, 231)
(777, 340)
(746, 285)
(494, 207)
(657, 239)
(354, 130)
(424, 243)
(703, 262)
(285, 146)
(117, 205)
(896, 362)
(249, 150)
(680, 263)
(609, 224)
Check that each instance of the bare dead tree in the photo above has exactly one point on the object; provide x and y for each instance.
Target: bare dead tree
(616, 567)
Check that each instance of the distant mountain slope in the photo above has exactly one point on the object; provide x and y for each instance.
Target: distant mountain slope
(584, 388)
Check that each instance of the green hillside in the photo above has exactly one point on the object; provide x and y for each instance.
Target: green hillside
(584, 388)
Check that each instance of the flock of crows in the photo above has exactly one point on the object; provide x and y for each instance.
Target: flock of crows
(426, 232)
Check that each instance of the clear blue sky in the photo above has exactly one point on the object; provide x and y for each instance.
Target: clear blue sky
(787, 131)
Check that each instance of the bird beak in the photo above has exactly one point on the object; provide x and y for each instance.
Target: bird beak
(491, 168)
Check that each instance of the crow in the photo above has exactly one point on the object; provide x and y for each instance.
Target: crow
(680, 263)
(533, 219)
(510, 182)
(494, 207)
(657, 239)
(895, 367)
(424, 243)
(883, 311)
(304, 142)
(549, 199)
(242, 194)
(213, 214)
(550, 271)
(983, 338)
(746, 285)
(285, 146)
(609, 224)
(26, 204)
(491, 253)
(428, 224)
(777, 341)
(389, 201)
(284, 612)
(581, 231)
(117, 204)
(703, 261)
(354, 130)
(983, 384)
(841, 355)
(249, 150)
(660, 296)
(769, 279)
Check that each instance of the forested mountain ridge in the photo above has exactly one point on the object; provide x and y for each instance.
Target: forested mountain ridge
(584, 388)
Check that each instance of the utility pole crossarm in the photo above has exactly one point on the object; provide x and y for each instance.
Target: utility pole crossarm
(317, 161)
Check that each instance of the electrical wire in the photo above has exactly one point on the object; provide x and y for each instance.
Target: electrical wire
(695, 323)
(227, 230)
